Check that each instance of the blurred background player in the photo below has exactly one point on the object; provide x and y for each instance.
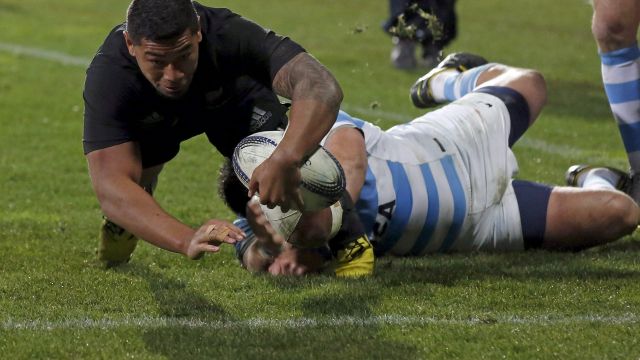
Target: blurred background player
(444, 181)
(429, 25)
(615, 28)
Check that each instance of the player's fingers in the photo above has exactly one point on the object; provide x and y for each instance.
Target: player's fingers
(299, 270)
(293, 269)
(253, 187)
(283, 201)
(275, 269)
(210, 248)
(262, 220)
(216, 233)
(235, 232)
(268, 201)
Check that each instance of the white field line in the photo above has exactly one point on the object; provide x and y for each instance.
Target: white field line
(149, 322)
(536, 144)
(50, 55)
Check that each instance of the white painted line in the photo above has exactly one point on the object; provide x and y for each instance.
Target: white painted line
(147, 322)
(55, 56)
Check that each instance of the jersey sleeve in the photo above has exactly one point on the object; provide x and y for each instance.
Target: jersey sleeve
(248, 48)
(106, 96)
(343, 120)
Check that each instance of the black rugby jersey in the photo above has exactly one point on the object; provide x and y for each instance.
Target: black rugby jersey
(237, 59)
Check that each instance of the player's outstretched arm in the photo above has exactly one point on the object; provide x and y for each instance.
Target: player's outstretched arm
(348, 147)
(315, 100)
(115, 173)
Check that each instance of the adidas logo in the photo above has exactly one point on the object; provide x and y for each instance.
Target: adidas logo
(259, 118)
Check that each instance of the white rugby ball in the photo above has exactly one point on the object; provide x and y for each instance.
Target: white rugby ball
(322, 182)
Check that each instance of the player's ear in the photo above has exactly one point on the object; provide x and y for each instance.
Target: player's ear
(129, 43)
(199, 33)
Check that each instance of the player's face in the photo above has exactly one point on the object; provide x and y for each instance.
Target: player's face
(257, 259)
(168, 65)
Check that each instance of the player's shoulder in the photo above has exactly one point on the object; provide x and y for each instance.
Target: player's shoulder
(113, 53)
(214, 19)
(112, 63)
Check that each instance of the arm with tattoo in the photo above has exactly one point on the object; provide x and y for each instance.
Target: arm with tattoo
(315, 100)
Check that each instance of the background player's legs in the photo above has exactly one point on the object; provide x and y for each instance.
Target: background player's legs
(614, 27)
(615, 23)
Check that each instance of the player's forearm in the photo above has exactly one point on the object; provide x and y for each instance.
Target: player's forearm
(315, 100)
(129, 206)
(347, 145)
(309, 123)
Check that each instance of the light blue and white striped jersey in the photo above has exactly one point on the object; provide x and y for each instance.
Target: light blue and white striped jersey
(415, 196)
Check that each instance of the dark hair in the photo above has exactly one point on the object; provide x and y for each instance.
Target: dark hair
(159, 20)
(231, 190)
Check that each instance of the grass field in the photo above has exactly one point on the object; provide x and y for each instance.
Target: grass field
(56, 302)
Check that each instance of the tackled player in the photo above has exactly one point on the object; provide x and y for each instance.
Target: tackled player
(444, 181)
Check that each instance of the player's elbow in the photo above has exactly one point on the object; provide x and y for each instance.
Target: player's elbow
(111, 193)
(106, 198)
(333, 91)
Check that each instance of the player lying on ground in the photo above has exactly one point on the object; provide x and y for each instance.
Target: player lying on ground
(444, 181)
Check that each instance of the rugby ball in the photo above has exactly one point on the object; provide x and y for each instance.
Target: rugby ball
(322, 177)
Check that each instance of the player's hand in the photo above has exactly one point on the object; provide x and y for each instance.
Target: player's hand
(288, 264)
(211, 235)
(266, 235)
(277, 180)
(294, 261)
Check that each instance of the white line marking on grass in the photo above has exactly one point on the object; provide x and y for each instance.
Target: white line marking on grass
(536, 144)
(51, 55)
(150, 322)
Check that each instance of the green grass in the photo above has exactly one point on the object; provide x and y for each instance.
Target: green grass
(56, 302)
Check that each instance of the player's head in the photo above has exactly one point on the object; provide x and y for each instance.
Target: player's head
(273, 254)
(163, 36)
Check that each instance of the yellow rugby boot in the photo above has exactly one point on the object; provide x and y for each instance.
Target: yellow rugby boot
(355, 259)
(116, 244)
